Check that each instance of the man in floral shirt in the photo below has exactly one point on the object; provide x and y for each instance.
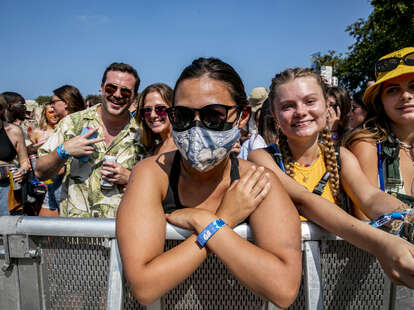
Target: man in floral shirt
(110, 131)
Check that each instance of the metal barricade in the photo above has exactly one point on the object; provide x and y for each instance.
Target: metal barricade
(72, 263)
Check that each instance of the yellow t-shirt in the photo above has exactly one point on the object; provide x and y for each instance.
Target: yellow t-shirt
(310, 177)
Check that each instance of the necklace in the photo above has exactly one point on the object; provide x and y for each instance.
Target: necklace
(311, 163)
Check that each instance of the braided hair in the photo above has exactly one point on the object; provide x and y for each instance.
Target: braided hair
(325, 141)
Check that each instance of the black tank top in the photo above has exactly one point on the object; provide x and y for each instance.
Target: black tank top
(7, 150)
(172, 201)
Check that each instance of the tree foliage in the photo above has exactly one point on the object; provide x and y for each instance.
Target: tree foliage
(43, 99)
(390, 27)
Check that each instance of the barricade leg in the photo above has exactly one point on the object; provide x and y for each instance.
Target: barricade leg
(313, 276)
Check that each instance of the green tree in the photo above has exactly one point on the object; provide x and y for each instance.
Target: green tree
(43, 99)
(389, 27)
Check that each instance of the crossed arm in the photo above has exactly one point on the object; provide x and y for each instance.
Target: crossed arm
(271, 268)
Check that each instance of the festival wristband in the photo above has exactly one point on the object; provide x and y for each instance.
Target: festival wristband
(209, 231)
(62, 152)
(388, 217)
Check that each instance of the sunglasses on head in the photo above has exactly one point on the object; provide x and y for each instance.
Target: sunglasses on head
(160, 110)
(112, 88)
(213, 116)
(391, 63)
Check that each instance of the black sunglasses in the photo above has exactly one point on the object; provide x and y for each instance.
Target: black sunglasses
(391, 63)
(111, 89)
(213, 116)
(160, 110)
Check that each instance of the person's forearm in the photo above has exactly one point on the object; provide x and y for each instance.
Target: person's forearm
(381, 203)
(48, 166)
(163, 273)
(337, 221)
(265, 273)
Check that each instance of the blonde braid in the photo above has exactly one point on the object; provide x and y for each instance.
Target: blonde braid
(286, 154)
(331, 163)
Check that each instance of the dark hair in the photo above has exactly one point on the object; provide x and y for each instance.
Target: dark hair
(119, 66)
(218, 70)
(93, 99)
(357, 98)
(148, 138)
(71, 96)
(376, 126)
(343, 100)
(266, 126)
(12, 97)
(3, 105)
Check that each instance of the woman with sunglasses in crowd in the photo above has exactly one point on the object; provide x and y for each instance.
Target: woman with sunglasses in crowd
(153, 120)
(307, 153)
(384, 145)
(339, 103)
(201, 188)
(66, 100)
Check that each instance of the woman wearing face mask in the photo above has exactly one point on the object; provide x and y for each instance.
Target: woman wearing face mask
(307, 153)
(201, 188)
(12, 144)
(153, 120)
(384, 144)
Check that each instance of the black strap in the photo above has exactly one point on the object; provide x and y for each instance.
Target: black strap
(234, 169)
(273, 150)
(172, 200)
(174, 175)
(319, 188)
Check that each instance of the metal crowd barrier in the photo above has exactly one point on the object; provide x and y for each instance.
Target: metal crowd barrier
(72, 263)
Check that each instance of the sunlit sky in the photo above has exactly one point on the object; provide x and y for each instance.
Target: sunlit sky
(46, 44)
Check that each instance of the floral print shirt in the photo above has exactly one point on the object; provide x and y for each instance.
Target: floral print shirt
(82, 195)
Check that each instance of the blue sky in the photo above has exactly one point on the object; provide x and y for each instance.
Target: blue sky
(46, 44)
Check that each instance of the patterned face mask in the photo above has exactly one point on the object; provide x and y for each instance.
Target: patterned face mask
(204, 148)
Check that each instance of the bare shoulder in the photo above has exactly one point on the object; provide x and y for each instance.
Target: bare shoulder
(14, 132)
(157, 165)
(153, 170)
(365, 150)
(261, 157)
(362, 142)
(244, 165)
(13, 129)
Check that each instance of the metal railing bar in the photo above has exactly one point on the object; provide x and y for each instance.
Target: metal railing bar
(94, 227)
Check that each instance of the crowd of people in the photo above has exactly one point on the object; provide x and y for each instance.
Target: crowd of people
(205, 156)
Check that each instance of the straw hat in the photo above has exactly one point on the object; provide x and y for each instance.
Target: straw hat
(401, 69)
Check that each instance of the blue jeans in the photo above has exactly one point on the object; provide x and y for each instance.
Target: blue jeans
(52, 198)
(4, 199)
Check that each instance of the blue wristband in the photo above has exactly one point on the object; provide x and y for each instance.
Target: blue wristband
(62, 152)
(209, 231)
(388, 217)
